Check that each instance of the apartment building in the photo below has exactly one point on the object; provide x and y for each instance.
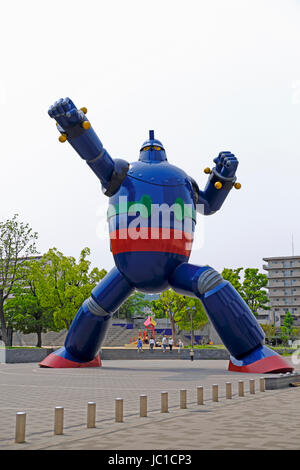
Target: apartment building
(283, 287)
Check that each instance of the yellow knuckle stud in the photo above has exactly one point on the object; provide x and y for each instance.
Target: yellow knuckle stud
(84, 110)
(62, 137)
(237, 185)
(218, 185)
(86, 125)
(207, 170)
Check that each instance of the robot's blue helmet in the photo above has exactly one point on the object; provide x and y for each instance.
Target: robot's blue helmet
(152, 150)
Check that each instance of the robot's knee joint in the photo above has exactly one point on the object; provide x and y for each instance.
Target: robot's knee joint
(94, 308)
(208, 280)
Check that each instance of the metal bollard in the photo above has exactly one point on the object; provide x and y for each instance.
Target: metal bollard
(262, 384)
(119, 410)
(143, 406)
(183, 399)
(228, 390)
(20, 427)
(252, 386)
(91, 415)
(200, 395)
(164, 402)
(215, 393)
(58, 420)
(241, 388)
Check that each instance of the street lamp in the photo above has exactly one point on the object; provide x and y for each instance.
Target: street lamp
(192, 336)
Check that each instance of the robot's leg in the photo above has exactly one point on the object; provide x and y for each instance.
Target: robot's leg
(90, 324)
(233, 320)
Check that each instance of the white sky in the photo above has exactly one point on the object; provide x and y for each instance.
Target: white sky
(205, 75)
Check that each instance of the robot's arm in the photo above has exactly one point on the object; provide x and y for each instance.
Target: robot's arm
(76, 129)
(221, 180)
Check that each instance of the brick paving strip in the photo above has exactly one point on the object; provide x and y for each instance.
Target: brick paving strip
(265, 420)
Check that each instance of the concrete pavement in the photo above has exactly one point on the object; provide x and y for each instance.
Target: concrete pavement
(266, 420)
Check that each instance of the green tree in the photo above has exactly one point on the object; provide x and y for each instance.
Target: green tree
(24, 311)
(296, 332)
(193, 317)
(269, 330)
(177, 308)
(233, 276)
(251, 289)
(64, 284)
(288, 322)
(133, 305)
(254, 291)
(17, 244)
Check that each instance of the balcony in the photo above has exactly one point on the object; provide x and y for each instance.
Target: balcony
(274, 303)
(282, 284)
(287, 275)
(294, 295)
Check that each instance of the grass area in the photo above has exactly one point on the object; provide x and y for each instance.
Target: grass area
(221, 346)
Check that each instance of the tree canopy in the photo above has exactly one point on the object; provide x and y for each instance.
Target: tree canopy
(64, 284)
(133, 305)
(17, 244)
(251, 289)
(179, 309)
(25, 311)
(51, 291)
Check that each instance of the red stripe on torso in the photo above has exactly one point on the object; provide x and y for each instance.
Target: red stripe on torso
(151, 239)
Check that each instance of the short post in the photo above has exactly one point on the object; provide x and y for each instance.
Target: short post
(182, 399)
(200, 395)
(228, 390)
(59, 420)
(215, 393)
(143, 406)
(262, 384)
(91, 415)
(164, 402)
(241, 388)
(119, 410)
(252, 386)
(20, 427)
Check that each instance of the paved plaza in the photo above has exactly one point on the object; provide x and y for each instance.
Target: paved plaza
(265, 420)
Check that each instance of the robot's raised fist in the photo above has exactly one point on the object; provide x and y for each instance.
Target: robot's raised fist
(66, 114)
(226, 164)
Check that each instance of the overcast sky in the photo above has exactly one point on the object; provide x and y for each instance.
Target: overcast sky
(205, 75)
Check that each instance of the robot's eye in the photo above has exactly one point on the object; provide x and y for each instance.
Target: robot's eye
(154, 147)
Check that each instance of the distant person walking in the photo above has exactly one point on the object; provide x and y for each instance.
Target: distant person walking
(164, 343)
(192, 354)
(151, 344)
(139, 345)
(171, 342)
(180, 346)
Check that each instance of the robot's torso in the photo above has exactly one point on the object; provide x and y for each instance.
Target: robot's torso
(151, 223)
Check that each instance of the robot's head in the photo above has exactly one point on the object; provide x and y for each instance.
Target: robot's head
(152, 150)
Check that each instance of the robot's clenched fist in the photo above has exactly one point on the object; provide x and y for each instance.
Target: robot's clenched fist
(226, 164)
(151, 252)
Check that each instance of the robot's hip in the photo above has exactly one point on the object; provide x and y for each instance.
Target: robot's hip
(149, 271)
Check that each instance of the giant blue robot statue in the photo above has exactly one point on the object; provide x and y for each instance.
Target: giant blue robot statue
(152, 255)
